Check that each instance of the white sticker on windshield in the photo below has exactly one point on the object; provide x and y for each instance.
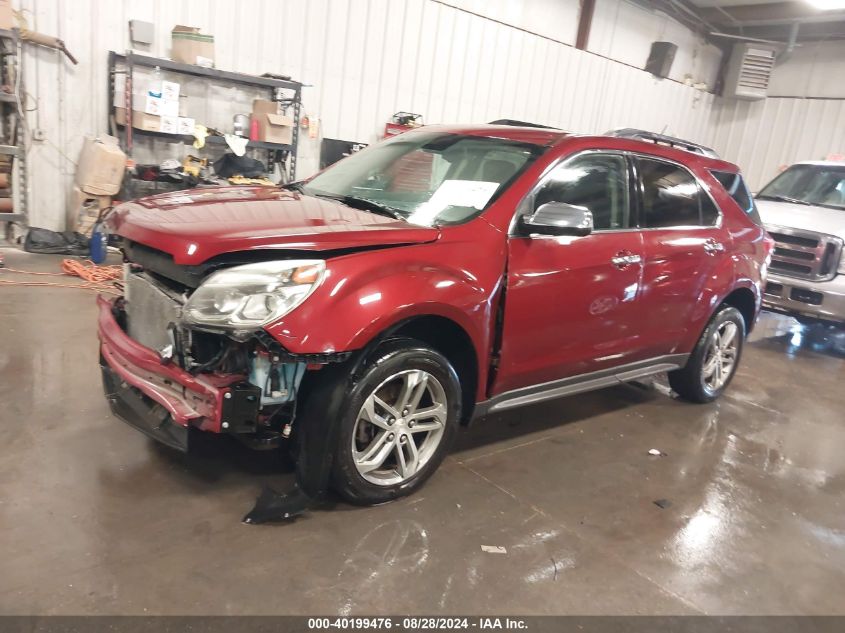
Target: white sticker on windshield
(463, 193)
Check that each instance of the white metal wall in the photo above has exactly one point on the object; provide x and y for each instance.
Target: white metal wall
(365, 59)
(813, 69)
(763, 136)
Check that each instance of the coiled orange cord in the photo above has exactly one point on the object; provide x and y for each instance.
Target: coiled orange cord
(97, 278)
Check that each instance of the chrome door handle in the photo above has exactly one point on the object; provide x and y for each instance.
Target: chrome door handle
(712, 247)
(621, 261)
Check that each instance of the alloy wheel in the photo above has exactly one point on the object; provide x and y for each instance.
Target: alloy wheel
(720, 358)
(399, 427)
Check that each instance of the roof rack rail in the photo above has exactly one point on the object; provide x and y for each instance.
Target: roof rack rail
(516, 123)
(662, 139)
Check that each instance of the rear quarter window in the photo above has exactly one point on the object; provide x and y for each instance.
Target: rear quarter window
(735, 185)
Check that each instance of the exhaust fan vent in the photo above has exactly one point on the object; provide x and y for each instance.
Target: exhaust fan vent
(749, 71)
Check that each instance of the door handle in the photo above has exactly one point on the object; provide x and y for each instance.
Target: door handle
(711, 247)
(623, 259)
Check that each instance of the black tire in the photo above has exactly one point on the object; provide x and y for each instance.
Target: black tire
(689, 383)
(391, 358)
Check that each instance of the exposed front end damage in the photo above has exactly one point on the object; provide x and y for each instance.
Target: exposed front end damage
(165, 377)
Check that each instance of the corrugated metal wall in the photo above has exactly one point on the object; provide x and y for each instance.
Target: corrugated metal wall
(365, 60)
(762, 136)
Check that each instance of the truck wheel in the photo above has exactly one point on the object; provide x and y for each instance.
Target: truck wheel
(400, 418)
(714, 360)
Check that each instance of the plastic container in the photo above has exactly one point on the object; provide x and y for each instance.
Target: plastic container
(154, 88)
(98, 244)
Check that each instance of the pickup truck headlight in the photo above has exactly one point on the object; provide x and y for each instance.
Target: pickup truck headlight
(250, 296)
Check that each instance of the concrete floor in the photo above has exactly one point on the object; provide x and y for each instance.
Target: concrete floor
(95, 518)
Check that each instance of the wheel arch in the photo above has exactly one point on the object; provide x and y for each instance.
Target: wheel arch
(744, 300)
(445, 336)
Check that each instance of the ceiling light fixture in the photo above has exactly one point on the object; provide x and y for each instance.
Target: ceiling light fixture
(827, 5)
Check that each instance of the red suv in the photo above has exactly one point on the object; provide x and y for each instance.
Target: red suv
(438, 276)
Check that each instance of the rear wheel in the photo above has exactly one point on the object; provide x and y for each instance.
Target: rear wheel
(714, 360)
(400, 417)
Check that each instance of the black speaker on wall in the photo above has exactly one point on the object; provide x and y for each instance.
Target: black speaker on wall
(660, 58)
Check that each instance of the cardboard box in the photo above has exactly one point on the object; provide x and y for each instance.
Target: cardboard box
(161, 106)
(186, 125)
(83, 210)
(189, 46)
(140, 120)
(100, 168)
(170, 124)
(7, 20)
(272, 126)
(170, 91)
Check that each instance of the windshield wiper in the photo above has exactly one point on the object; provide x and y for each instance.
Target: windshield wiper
(294, 186)
(366, 204)
(785, 199)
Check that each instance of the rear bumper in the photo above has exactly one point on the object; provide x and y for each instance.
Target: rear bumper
(821, 300)
(161, 400)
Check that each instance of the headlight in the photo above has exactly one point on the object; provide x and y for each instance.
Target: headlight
(250, 296)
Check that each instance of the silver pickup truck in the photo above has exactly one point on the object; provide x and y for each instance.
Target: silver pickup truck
(803, 209)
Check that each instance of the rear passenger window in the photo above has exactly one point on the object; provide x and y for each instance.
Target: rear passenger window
(738, 190)
(672, 197)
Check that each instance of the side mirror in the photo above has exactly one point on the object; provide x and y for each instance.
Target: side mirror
(557, 218)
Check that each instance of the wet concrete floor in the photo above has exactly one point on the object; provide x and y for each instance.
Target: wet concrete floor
(96, 518)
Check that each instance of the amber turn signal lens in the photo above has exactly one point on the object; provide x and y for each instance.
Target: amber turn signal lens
(306, 274)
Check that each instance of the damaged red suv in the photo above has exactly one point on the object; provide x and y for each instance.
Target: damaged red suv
(446, 273)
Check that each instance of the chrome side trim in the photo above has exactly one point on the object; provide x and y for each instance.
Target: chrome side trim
(578, 384)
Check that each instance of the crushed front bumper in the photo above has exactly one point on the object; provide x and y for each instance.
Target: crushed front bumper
(817, 299)
(161, 400)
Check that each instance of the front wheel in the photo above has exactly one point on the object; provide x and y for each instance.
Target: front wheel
(714, 360)
(400, 418)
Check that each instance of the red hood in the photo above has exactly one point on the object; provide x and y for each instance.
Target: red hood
(198, 224)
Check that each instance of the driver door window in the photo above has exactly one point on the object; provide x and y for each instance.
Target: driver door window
(598, 182)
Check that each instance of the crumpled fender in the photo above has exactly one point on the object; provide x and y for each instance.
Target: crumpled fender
(365, 294)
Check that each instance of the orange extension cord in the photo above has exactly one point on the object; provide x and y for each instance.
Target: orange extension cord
(98, 278)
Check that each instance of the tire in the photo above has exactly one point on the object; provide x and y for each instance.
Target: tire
(704, 378)
(374, 457)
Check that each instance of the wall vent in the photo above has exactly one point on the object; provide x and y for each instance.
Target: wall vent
(749, 71)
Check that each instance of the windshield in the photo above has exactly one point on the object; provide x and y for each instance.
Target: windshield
(823, 185)
(426, 178)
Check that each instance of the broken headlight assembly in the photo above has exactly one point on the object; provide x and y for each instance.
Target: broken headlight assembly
(243, 298)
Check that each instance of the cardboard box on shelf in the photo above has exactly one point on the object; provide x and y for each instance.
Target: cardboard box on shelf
(140, 120)
(186, 125)
(278, 129)
(161, 106)
(189, 46)
(264, 106)
(170, 91)
(272, 126)
(6, 18)
(170, 124)
(100, 168)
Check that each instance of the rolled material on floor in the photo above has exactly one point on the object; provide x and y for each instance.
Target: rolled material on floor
(6, 205)
(4, 181)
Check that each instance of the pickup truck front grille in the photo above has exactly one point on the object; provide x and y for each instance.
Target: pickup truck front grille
(804, 254)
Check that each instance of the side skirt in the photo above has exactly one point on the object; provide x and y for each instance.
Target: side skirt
(578, 384)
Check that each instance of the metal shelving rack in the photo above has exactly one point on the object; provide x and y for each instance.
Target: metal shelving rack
(124, 64)
(11, 134)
